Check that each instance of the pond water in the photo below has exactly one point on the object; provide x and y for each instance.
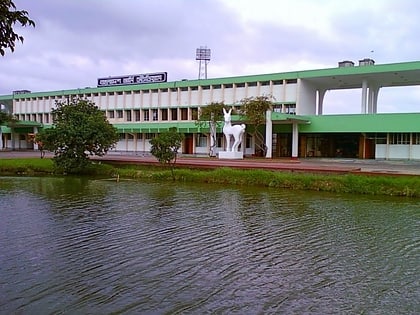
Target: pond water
(89, 246)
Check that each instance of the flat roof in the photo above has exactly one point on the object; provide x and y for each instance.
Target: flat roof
(384, 75)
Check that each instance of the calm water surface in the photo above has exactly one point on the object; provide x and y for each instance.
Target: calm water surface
(81, 246)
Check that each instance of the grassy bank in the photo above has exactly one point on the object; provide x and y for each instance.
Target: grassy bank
(354, 184)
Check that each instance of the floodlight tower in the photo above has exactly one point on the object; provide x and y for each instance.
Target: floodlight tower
(202, 54)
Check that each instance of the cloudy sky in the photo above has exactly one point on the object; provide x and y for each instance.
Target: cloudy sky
(75, 42)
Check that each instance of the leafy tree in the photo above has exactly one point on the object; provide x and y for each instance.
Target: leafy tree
(79, 129)
(9, 16)
(211, 115)
(165, 147)
(255, 108)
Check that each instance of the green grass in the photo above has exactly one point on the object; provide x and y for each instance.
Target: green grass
(350, 183)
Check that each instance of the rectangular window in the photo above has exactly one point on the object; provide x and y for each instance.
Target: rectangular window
(201, 140)
(174, 114)
(290, 109)
(194, 113)
(399, 138)
(155, 114)
(164, 113)
(137, 115)
(46, 118)
(184, 113)
(119, 113)
(145, 114)
(111, 114)
(128, 115)
(150, 136)
(416, 138)
(252, 83)
(240, 85)
(40, 118)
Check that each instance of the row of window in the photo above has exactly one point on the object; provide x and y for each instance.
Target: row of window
(404, 138)
(154, 114)
(161, 90)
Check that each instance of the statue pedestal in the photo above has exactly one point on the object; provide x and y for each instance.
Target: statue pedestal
(229, 155)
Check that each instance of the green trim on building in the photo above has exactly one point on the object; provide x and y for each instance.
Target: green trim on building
(404, 122)
(156, 127)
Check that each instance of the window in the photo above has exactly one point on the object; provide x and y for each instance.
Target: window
(119, 113)
(240, 85)
(174, 113)
(228, 86)
(252, 83)
(201, 140)
(128, 115)
(164, 113)
(155, 114)
(290, 109)
(111, 114)
(184, 113)
(194, 113)
(150, 136)
(145, 114)
(46, 118)
(130, 136)
(416, 138)
(399, 138)
(205, 87)
(217, 86)
(278, 82)
(122, 136)
(40, 118)
(290, 81)
(265, 83)
(137, 115)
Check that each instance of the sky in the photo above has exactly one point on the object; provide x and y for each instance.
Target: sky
(75, 42)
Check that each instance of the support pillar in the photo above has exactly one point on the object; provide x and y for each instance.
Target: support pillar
(295, 141)
(268, 135)
(364, 96)
(321, 95)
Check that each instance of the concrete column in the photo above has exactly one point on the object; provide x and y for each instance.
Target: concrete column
(321, 95)
(295, 140)
(364, 96)
(268, 134)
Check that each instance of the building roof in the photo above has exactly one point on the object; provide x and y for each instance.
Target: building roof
(384, 75)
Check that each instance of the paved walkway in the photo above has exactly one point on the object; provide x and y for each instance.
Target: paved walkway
(318, 165)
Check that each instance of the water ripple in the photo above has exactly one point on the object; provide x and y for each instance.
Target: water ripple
(136, 248)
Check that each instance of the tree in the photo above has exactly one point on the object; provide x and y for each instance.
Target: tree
(254, 109)
(165, 147)
(9, 16)
(79, 129)
(211, 115)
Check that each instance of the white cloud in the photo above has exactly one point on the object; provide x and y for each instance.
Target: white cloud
(75, 42)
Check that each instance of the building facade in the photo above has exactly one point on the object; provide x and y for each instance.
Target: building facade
(296, 126)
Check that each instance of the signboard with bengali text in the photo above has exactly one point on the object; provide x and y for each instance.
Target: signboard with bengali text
(134, 79)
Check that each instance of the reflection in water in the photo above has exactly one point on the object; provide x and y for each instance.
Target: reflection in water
(76, 246)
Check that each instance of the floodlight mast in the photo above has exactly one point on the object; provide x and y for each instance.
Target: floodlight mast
(203, 56)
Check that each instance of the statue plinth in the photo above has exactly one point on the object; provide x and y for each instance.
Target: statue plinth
(231, 155)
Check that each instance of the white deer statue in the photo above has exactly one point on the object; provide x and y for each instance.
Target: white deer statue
(235, 131)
